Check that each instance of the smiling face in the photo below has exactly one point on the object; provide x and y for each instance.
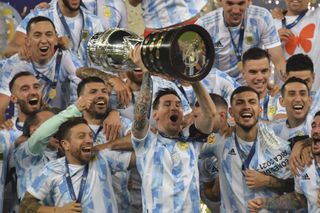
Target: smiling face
(315, 134)
(297, 101)
(296, 6)
(26, 92)
(256, 74)
(72, 5)
(234, 11)
(98, 92)
(78, 145)
(41, 41)
(169, 115)
(245, 109)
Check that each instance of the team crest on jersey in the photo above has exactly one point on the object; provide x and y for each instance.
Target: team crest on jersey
(211, 139)
(271, 110)
(85, 34)
(183, 145)
(232, 152)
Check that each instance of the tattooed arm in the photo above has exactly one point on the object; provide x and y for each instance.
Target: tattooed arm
(141, 123)
(205, 120)
(30, 204)
(290, 201)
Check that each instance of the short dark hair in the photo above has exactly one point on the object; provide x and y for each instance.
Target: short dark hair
(18, 75)
(64, 129)
(242, 89)
(317, 114)
(87, 80)
(255, 53)
(32, 119)
(293, 80)
(163, 92)
(299, 62)
(218, 101)
(38, 19)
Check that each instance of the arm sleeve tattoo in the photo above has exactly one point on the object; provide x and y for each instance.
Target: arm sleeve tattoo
(29, 204)
(142, 105)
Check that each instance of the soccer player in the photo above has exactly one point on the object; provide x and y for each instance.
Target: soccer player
(236, 27)
(306, 184)
(256, 72)
(252, 160)
(70, 20)
(26, 93)
(54, 68)
(86, 179)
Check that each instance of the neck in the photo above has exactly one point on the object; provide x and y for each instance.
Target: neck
(91, 120)
(247, 135)
(72, 160)
(133, 86)
(39, 61)
(22, 117)
(169, 133)
(65, 11)
(263, 94)
(295, 13)
(295, 122)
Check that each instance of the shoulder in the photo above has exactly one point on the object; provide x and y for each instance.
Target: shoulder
(254, 10)
(56, 166)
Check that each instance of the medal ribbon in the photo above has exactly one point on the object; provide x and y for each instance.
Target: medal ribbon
(318, 171)
(265, 107)
(52, 84)
(20, 128)
(95, 134)
(67, 29)
(182, 138)
(246, 159)
(237, 49)
(289, 26)
(82, 184)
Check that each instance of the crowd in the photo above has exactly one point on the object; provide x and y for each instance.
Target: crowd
(75, 137)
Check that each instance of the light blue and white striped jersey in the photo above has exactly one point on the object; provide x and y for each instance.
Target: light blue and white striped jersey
(158, 83)
(119, 178)
(98, 195)
(215, 82)
(112, 13)
(90, 24)
(270, 106)
(282, 129)
(259, 31)
(169, 173)
(67, 80)
(28, 165)
(307, 183)
(235, 193)
(160, 14)
(7, 139)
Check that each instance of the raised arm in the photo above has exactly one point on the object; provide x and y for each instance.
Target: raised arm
(141, 123)
(278, 60)
(40, 138)
(205, 120)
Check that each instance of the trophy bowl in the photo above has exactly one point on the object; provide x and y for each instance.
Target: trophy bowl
(185, 52)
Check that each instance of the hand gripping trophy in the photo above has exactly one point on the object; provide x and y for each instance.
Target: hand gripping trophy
(185, 52)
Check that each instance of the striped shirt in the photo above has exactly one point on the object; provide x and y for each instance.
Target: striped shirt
(259, 31)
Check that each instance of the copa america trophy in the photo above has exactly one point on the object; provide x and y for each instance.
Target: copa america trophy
(185, 52)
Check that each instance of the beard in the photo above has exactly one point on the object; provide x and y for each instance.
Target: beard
(24, 107)
(68, 5)
(98, 115)
(133, 78)
(247, 128)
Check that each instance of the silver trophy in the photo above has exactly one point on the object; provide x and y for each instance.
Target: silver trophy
(185, 52)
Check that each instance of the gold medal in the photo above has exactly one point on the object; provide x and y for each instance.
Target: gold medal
(271, 111)
(211, 139)
(249, 39)
(183, 145)
(239, 65)
(52, 93)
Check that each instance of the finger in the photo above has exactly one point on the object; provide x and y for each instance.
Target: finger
(107, 131)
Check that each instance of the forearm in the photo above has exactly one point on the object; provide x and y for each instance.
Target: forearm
(290, 201)
(141, 123)
(281, 185)
(30, 204)
(278, 60)
(123, 143)
(205, 123)
(40, 138)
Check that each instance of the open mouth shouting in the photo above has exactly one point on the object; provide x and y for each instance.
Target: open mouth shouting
(298, 108)
(33, 101)
(44, 50)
